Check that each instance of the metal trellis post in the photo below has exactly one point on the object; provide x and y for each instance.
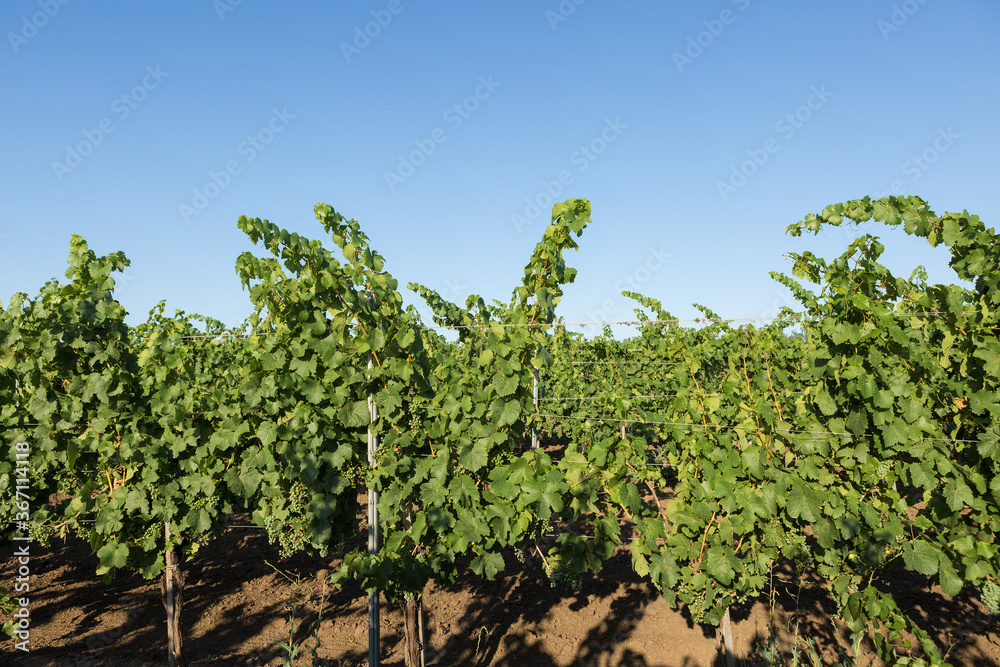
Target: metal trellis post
(373, 537)
(534, 423)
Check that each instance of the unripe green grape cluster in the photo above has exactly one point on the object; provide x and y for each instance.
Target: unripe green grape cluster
(41, 532)
(564, 576)
(290, 538)
(152, 533)
(339, 542)
(989, 593)
(798, 549)
(416, 426)
(697, 607)
(148, 543)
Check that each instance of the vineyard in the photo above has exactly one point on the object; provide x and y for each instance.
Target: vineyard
(852, 438)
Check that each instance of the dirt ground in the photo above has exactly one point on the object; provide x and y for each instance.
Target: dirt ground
(239, 598)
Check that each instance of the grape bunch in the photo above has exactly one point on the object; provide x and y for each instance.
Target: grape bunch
(883, 470)
(150, 538)
(799, 551)
(564, 576)
(42, 532)
(288, 532)
(339, 542)
(147, 548)
(697, 606)
(204, 503)
(990, 595)
(416, 426)
(519, 554)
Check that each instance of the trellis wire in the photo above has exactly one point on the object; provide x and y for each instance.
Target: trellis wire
(531, 325)
(618, 363)
(722, 427)
(602, 398)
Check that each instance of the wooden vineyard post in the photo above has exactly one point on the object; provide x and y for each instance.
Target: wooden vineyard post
(171, 600)
(411, 639)
(420, 630)
(373, 537)
(413, 622)
(534, 424)
(727, 639)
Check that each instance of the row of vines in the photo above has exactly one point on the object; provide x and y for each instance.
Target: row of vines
(855, 436)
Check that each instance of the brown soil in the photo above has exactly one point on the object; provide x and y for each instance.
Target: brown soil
(237, 608)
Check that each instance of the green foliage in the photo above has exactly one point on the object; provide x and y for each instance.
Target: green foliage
(128, 427)
(7, 607)
(908, 369)
(66, 376)
(451, 482)
(869, 439)
(864, 438)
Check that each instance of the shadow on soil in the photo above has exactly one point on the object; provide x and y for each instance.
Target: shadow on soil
(122, 622)
(803, 609)
(525, 597)
(233, 594)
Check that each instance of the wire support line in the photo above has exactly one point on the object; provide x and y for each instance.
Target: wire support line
(530, 325)
(591, 537)
(620, 363)
(695, 320)
(723, 427)
(602, 398)
(218, 335)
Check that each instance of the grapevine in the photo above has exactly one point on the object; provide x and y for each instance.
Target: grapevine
(853, 436)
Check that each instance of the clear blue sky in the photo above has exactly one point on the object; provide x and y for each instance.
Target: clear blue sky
(843, 100)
